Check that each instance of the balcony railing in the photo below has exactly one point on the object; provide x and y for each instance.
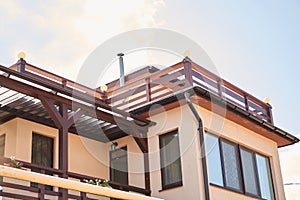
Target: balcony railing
(150, 88)
(20, 189)
(177, 78)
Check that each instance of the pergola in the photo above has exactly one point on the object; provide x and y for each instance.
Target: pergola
(34, 94)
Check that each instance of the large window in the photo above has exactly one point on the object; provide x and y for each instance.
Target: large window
(170, 160)
(237, 168)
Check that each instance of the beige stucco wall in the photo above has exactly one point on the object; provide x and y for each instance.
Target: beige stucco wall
(192, 188)
(90, 157)
(86, 156)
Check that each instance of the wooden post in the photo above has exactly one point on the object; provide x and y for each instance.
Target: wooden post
(147, 169)
(188, 71)
(63, 122)
(270, 114)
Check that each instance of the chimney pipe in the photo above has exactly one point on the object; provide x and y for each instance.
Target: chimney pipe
(122, 78)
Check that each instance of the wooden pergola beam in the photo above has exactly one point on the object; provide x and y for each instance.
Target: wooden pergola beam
(28, 76)
(38, 93)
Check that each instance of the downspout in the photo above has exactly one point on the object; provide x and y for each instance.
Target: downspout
(202, 145)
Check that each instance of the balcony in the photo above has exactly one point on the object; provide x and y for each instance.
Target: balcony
(153, 85)
(17, 188)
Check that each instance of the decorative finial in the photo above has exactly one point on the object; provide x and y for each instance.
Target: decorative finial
(21, 55)
(103, 88)
(267, 100)
(186, 53)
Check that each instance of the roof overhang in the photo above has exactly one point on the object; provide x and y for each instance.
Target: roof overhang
(225, 109)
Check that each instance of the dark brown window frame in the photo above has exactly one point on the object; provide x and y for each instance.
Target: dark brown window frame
(240, 168)
(176, 184)
(33, 184)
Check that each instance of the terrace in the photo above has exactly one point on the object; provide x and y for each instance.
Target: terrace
(36, 95)
(150, 85)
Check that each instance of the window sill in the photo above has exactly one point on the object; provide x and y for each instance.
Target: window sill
(171, 186)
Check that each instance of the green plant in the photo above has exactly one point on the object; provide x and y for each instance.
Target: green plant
(14, 163)
(103, 183)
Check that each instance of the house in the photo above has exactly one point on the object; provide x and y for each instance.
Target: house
(181, 132)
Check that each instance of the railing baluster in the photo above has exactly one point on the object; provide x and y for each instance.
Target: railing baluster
(269, 112)
(148, 89)
(41, 188)
(246, 103)
(188, 72)
(83, 196)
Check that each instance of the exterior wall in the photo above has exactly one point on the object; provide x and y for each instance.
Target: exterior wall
(183, 119)
(135, 161)
(10, 131)
(86, 156)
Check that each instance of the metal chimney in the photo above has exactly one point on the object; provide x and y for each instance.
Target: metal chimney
(122, 78)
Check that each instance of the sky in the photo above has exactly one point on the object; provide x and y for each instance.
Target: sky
(254, 44)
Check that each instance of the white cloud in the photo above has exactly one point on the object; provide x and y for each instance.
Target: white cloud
(59, 35)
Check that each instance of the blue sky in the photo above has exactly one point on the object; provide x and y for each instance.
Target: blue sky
(254, 44)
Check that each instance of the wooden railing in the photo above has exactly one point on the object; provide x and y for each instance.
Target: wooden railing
(69, 89)
(180, 77)
(150, 88)
(19, 190)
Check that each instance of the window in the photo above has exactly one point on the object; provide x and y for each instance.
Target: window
(232, 170)
(265, 177)
(170, 160)
(2, 145)
(119, 166)
(238, 169)
(249, 172)
(213, 159)
(42, 152)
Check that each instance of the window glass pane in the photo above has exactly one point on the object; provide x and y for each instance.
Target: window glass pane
(213, 159)
(231, 168)
(249, 174)
(170, 159)
(265, 178)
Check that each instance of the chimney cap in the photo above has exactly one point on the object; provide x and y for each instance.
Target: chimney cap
(120, 54)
